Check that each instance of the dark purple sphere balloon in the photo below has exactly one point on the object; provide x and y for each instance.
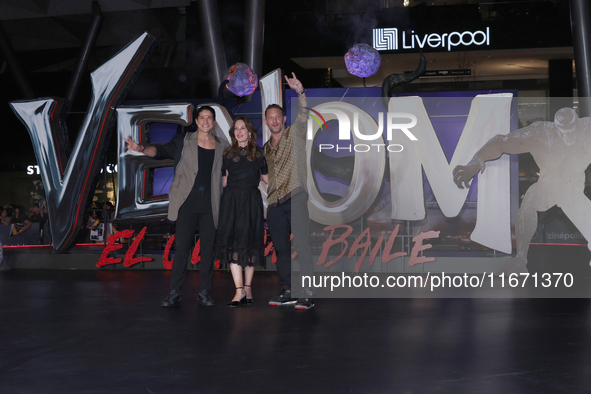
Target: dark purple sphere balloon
(242, 81)
(362, 60)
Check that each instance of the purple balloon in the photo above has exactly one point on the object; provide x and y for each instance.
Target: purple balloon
(242, 81)
(362, 60)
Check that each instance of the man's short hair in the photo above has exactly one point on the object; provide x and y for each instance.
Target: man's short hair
(197, 111)
(275, 106)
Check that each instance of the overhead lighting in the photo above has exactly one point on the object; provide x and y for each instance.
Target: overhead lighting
(406, 3)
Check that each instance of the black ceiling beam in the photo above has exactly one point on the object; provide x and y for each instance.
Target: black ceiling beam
(85, 51)
(15, 67)
(581, 30)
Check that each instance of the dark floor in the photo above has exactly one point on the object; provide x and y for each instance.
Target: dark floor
(66, 331)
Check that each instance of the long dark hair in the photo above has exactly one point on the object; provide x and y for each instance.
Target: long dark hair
(251, 147)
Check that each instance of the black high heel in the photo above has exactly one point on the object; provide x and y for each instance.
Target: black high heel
(248, 300)
(234, 304)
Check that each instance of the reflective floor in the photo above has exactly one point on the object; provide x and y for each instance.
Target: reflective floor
(66, 331)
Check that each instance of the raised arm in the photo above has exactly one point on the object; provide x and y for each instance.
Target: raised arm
(160, 151)
(295, 84)
(149, 150)
(519, 141)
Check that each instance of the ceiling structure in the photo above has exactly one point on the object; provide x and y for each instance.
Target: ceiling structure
(61, 25)
(47, 36)
(27, 9)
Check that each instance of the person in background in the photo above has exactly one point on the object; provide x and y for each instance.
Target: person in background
(34, 215)
(20, 221)
(93, 221)
(4, 218)
(110, 211)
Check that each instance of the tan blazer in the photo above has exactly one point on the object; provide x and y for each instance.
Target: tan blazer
(185, 173)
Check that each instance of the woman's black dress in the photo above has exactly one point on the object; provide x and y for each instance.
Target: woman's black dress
(240, 232)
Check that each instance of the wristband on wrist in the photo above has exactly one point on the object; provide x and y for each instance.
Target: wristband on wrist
(142, 148)
(302, 92)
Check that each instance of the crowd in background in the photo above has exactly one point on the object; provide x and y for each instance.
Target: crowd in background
(95, 223)
(20, 219)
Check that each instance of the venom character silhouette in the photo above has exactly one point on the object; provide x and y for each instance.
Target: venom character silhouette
(562, 151)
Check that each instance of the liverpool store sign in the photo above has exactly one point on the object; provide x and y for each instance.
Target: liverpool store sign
(392, 39)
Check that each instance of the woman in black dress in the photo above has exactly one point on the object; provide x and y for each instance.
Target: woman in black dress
(239, 239)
